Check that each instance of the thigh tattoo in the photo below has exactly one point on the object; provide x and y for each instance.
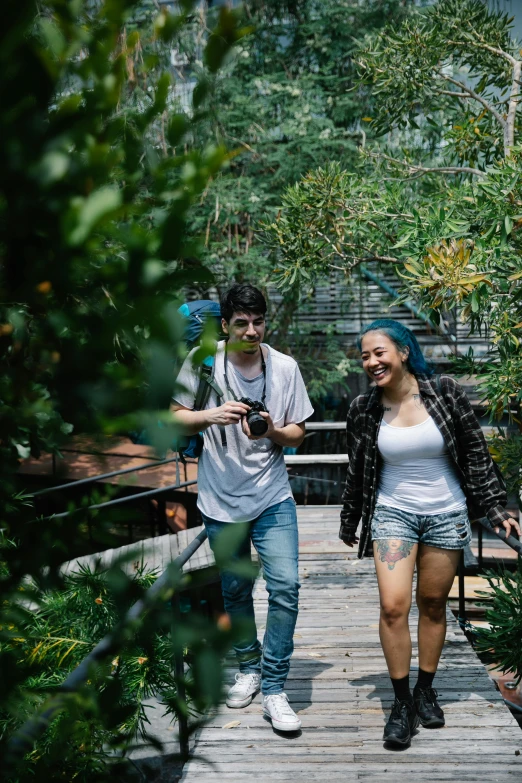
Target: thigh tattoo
(393, 550)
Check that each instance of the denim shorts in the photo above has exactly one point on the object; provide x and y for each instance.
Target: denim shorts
(450, 530)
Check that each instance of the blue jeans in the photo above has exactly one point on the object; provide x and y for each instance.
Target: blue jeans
(274, 535)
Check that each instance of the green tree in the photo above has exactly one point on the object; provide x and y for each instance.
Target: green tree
(443, 209)
(285, 103)
(96, 185)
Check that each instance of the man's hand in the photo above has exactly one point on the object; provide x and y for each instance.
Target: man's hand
(268, 434)
(508, 524)
(228, 413)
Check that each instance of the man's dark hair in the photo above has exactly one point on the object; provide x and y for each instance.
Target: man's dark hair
(242, 298)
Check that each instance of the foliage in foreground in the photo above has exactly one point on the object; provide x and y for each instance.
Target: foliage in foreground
(100, 724)
(96, 184)
(499, 643)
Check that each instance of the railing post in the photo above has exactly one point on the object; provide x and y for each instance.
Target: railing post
(179, 671)
(462, 593)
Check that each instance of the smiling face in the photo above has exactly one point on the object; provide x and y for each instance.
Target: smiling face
(382, 360)
(246, 331)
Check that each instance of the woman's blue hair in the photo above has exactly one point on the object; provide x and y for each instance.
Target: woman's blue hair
(403, 338)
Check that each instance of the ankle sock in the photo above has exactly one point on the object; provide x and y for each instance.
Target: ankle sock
(425, 679)
(401, 688)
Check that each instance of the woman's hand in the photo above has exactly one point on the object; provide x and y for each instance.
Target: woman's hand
(508, 524)
(350, 543)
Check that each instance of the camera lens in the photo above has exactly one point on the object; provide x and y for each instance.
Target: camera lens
(257, 423)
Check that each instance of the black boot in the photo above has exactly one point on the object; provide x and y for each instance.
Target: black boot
(428, 709)
(401, 724)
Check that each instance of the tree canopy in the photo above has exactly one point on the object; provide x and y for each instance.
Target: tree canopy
(437, 194)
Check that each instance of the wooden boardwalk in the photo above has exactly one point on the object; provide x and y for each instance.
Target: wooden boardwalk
(339, 686)
(155, 553)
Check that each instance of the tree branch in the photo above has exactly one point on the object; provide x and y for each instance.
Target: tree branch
(419, 171)
(499, 52)
(453, 94)
(472, 94)
(356, 260)
(509, 129)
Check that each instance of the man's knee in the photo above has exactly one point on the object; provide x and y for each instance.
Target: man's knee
(235, 588)
(284, 593)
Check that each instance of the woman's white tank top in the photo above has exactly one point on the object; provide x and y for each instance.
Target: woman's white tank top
(417, 473)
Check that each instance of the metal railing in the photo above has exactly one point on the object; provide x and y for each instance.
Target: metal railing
(111, 474)
(136, 496)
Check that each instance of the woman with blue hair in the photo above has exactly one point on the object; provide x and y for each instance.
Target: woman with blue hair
(419, 467)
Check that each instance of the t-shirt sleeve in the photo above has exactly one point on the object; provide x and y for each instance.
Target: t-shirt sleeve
(298, 406)
(186, 385)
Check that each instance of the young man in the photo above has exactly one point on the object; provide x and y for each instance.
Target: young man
(242, 478)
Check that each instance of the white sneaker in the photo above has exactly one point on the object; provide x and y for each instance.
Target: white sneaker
(243, 690)
(283, 718)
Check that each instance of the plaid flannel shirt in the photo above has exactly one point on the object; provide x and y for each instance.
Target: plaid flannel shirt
(463, 436)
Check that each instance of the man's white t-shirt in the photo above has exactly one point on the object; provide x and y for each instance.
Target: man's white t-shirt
(240, 480)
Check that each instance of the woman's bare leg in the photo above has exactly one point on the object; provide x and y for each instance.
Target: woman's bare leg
(436, 569)
(394, 563)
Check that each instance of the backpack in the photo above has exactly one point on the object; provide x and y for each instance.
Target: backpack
(197, 314)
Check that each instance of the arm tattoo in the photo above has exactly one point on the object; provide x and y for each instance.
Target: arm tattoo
(417, 399)
(392, 554)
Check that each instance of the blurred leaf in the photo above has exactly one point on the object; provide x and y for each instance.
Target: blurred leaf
(99, 205)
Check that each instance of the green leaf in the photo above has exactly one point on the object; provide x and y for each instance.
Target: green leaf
(200, 92)
(53, 167)
(99, 205)
(402, 241)
(53, 36)
(229, 542)
(177, 128)
(24, 451)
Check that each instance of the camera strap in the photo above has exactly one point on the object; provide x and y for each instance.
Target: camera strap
(263, 365)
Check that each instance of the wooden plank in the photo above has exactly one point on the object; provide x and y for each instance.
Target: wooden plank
(316, 459)
(318, 426)
(155, 553)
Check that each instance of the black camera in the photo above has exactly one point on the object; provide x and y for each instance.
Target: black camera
(257, 423)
